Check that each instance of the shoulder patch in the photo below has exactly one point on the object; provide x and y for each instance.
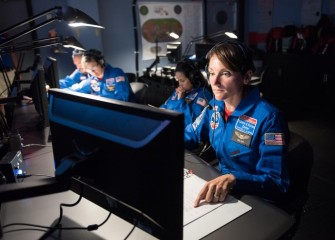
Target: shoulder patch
(274, 139)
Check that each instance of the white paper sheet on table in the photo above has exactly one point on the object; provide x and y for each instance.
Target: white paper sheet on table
(201, 221)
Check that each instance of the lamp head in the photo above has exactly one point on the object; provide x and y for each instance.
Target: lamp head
(71, 42)
(173, 35)
(77, 18)
(231, 35)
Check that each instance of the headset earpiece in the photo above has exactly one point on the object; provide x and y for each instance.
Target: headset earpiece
(193, 73)
(96, 56)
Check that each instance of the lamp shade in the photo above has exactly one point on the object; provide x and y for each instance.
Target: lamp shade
(77, 18)
(73, 16)
(71, 42)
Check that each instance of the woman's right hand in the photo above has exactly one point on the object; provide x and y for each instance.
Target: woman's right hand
(180, 92)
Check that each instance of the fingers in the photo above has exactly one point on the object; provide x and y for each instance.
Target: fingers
(201, 196)
(215, 190)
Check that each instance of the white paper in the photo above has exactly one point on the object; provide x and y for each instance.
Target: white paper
(201, 221)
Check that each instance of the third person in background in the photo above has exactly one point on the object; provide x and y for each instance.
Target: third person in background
(192, 94)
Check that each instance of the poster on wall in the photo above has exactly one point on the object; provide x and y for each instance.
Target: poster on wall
(264, 13)
(310, 12)
(159, 19)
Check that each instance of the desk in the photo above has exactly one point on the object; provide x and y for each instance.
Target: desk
(264, 221)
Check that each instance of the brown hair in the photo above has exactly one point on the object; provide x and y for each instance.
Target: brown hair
(233, 54)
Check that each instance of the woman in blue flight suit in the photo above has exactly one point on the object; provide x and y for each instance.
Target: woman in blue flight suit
(192, 94)
(249, 135)
(104, 80)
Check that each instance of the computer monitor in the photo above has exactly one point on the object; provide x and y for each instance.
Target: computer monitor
(51, 72)
(125, 157)
(39, 95)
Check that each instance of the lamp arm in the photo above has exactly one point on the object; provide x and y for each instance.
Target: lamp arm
(45, 42)
(29, 30)
(20, 24)
(187, 49)
(199, 38)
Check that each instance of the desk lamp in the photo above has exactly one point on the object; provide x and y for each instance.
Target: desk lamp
(209, 36)
(73, 16)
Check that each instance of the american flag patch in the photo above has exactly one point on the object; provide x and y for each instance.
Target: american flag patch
(202, 102)
(120, 79)
(274, 139)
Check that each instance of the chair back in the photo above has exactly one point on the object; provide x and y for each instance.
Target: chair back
(140, 90)
(300, 156)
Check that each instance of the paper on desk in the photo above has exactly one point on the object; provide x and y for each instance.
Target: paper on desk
(201, 221)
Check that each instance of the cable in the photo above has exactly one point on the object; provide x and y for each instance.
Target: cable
(91, 227)
(69, 205)
(36, 226)
(132, 229)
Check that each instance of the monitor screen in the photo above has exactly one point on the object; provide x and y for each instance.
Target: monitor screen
(126, 157)
(39, 95)
(51, 72)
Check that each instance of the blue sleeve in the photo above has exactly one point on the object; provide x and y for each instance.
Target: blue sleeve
(68, 81)
(118, 89)
(82, 87)
(169, 103)
(194, 109)
(197, 131)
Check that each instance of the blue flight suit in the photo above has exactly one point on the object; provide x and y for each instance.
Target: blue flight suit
(74, 78)
(252, 145)
(114, 84)
(191, 105)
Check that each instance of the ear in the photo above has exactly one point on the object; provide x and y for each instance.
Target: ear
(247, 77)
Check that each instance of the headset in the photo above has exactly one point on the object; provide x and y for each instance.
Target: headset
(96, 55)
(77, 52)
(243, 51)
(191, 71)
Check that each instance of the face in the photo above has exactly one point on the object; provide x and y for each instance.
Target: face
(77, 63)
(224, 82)
(94, 69)
(183, 81)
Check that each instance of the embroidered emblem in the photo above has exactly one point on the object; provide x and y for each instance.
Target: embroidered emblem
(246, 124)
(95, 85)
(120, 79)
(274, 139)
(110, 84)
(215, 120)
(241, 138)
(202, 102)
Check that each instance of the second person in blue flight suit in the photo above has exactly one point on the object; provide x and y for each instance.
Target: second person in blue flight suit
(77, 76)
(104, 80)
(192, 94)
(249, 135)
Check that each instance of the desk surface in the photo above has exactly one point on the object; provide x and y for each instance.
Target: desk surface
(264, 221)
